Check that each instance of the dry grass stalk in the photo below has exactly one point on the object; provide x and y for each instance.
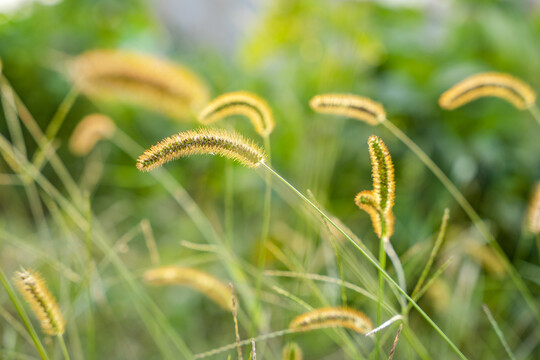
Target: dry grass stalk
(504, 86)
(202, 141)
(235, 318)
(199, 280)
(357, 107)
(140, 80)
(89, 131)
(391, 354)
(333, 317)
(240, 103)
(292, 351)
(533, 213)
(43, 304)
(378, 202)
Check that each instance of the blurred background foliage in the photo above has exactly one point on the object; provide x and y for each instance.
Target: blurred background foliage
(403, 54)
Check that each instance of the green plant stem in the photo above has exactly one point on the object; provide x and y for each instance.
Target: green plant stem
(498, 331)
(471, 213)
(434, 251)
(264, 236)
(535, 113)
(63, 346)
(380, 294)
(372, 261)
(46, 143)
(20, 310)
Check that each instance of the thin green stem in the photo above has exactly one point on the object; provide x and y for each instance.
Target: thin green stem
(380, 296)
(20, 310)
(372, 261)
(471, 213)
(46, 143)
(63, 347)
(498, 331)
(264, 236)
(434, 251)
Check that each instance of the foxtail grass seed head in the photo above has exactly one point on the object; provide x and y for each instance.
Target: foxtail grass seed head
(533, 213)
(333, 317)
(203, 141)
(240, 103)
(292, 351)
(382, 173)
(43, 304)
(500, 85)
(139, 80)
(367, 201)
(89, 131)
(378, 202)
(199, 280)
(349, 105)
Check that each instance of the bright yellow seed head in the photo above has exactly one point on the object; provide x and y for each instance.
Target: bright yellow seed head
(349, 105)
(500, 85)
(378, 202)
(240, 103)
(202, 141)
(43, 304)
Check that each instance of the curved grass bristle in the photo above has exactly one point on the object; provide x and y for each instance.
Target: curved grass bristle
(500, 85)
(333, 317)
(89, 131)
(199, 280)
(202, 141)
(139, 80)
(240, 103)
(349, 105)
(533, 213)
(34, 290)
(292, 351)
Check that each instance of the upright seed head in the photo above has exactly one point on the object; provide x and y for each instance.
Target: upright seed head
(43, 304)
(382, 173)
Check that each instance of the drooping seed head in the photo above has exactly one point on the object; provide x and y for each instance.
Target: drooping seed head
(199, 280)
(500, 85)
(357, 107)
(89, 131)
(333, 317)
(139, 80)
(43, 304)
(240, 103)
(202, 141)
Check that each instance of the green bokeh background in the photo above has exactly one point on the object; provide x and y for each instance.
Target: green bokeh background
(403, 57)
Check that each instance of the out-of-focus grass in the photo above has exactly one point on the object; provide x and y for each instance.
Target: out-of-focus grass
(402, 57)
